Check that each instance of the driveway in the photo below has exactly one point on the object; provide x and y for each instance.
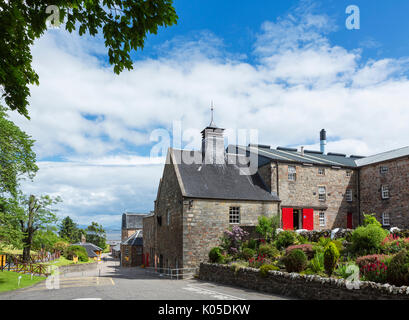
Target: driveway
(111, 282)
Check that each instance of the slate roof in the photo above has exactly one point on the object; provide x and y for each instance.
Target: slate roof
(218, 181)
(133, 220)
(90, 248)
(134, 240)
(292, 155)
(384, 156)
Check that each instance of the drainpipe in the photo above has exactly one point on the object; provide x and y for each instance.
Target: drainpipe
(278, 195)
(359, 195)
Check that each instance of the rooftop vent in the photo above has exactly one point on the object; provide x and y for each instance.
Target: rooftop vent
(313, 151)
(336, 154)
(287, 149)
(263, 146)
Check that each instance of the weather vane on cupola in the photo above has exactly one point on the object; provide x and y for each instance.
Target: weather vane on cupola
(212, 124)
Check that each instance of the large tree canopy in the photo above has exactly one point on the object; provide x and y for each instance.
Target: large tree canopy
(124, 24)
(17, 158)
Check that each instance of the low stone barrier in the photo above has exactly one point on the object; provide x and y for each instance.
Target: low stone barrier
(78, 267)
(294, 285)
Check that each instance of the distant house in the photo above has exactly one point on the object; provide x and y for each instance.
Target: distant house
(116, 251)
(131, 223)
(132, 250)
(93, 251)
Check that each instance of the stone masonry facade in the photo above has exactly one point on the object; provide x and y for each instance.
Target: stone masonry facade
(395, 175)
(205, 220)
(303, 191)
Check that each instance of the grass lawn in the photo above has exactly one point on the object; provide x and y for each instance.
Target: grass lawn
(10, 250)
(9, 280)
(65, 262)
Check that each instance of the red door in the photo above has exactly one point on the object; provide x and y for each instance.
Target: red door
(288, 219)
(349, 220)
(308, 219)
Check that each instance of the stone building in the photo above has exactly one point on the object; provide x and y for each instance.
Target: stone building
(384, 187)
(201, 194)
(131, 223)
(132, 250)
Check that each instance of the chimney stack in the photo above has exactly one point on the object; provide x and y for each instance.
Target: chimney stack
(323, 141)
(302, 150)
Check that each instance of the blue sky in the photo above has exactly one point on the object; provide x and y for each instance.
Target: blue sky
(286, 68)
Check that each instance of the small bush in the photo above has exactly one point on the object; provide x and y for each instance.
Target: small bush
(372, 258)
(265, 268)
(376, 272)
(316, 264)
(236, 266)
(307, 248)
(331, 256)
(368, 239)
(247, 253)
(61, 246)
(370, 219)
(344, 270)
(252, 244)
(258, 262)
(78, 251)
(398, 269)
(295, 261)
(268, 251)
(285, 239)
(215, 255)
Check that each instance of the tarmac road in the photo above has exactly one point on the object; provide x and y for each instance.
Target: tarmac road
(111, 282)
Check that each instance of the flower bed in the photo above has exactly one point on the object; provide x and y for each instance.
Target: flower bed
(365, 253)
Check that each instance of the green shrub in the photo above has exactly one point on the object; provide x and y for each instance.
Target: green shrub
(215, 255)
(369, 219)
(398, 269)
(344, 270)
(316, 264)
(307, 248)
(269, 251)
(331, 256)
(252, 244)
(364, 260)
(78, 251)
(295, 261)
(265, 268)
(247, 253)
(368, 239)
(61, 246)
(285, 239)
(236, 266)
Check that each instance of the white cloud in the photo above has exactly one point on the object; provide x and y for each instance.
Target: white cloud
(301, 83)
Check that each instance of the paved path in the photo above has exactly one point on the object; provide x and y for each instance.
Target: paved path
(109, 282)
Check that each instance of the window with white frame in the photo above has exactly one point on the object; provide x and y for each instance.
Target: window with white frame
(384, 170)
(385, 192)
(386, 219)
(234, 215)
(349, 195)
(321, 171)
(322, 194)
(291, 173)
(322, 219)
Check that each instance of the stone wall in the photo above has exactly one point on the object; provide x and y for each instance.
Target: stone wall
(78, 267)
(168, 247)
(205, 220)
(397, 178)
(299, 286)
(303, 192)
(149, 237)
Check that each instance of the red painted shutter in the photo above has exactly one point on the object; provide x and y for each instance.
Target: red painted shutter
(288, 219)
(349, 220)
(308, 219)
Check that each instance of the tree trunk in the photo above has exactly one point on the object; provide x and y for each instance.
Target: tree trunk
(27, 246)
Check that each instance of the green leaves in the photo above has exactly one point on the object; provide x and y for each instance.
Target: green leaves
(17, 158)
(124, 24)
